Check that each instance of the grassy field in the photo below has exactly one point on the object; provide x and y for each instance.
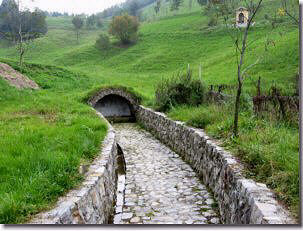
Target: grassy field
(55, 125)
(44, 137)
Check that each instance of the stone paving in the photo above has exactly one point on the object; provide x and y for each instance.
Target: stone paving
(160, 188)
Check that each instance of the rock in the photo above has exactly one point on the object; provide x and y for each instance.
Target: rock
(126, 216)
(158, 184)
(135, 220)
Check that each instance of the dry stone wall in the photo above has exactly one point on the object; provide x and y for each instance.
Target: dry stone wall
(93, 202)
(240, 200)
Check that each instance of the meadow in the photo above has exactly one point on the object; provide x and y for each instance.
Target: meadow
(46, 134)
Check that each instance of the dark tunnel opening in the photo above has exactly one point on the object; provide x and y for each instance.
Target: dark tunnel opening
(116, 108)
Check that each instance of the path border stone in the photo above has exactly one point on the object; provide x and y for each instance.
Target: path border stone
(93, 202)
(240, 200)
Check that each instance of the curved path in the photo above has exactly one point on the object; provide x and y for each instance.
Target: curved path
(160, 187)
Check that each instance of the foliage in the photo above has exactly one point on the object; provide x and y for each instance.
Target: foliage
(32, 24)
(20, 27)
(124, 28)
(175, 5)
(78, 23)
(179, 90)
(202, 2)
(91, 21)
(268, 148)
(130, 6)
(290, 8)
(100, 23)
(167, 44)
(45, 135)
(157, 6)
(133, 8)
(103, 42)
(213, 21)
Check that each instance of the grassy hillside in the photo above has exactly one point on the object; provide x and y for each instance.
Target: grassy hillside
(167, 46)
(44, 137)
(54, 120)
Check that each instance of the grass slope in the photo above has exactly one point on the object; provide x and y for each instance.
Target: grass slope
(44, 137)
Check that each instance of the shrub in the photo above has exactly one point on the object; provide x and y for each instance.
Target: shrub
(179, 90)
(124, 28)
(212, 21)
(103, 42)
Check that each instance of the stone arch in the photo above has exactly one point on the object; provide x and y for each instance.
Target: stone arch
(115, 104)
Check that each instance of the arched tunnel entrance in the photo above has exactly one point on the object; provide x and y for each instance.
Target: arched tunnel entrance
(116, 108)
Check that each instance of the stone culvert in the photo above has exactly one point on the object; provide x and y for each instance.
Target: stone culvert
(240, 200)
(115, 104)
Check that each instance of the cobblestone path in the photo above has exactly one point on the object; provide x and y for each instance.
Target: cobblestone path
(160, 188)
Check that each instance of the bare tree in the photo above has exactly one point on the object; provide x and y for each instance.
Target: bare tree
(78, 23)
(290, 7)
(240, 40)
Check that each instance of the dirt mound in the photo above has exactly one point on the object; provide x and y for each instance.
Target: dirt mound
(15, 78)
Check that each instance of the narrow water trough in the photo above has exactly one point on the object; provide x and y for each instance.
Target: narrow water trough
(167, 173)
(154, 185)
(148, 192)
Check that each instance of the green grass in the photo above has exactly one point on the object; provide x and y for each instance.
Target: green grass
(69, 72)
(44, 137)
(269, 148)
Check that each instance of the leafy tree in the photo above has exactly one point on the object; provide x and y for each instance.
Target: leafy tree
(130, 6)
(91, 21)
(157, 6)
(175, 5)
(124, 28)
(202, 2)
(20, 26)
(103, 42)
(78, 23)
(99, 23)
(133, 8)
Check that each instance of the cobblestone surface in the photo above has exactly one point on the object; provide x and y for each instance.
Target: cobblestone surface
(160, 187)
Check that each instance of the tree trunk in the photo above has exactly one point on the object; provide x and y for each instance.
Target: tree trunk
(240, 73)
(20, 55)
(237, 107)
(78, 36)
(21, 49)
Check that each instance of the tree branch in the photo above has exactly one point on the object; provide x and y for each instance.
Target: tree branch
(284, 5)
(249, 67)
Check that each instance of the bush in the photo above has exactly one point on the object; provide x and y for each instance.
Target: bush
(212, 21)
(103, 42)
(124, 28)
(179, 90)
